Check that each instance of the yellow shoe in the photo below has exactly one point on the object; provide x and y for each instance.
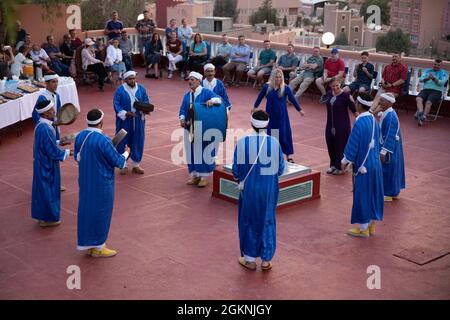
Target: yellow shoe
(387, 199)
(45, 224)
(356, 232)
(104, 253)
(372, 228)
(202, 183)
(193, 181)
(138, 170)
(247, 264)
(124, 171)
(397, 197)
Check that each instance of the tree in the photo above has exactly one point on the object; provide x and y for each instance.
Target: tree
(394, 41)
(341, 40)
(285, 22)
(265, 13)
(298, 22)
(306, 22)
(384, 7)
(226, 8)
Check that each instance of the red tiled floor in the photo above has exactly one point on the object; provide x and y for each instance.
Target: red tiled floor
(176, 242)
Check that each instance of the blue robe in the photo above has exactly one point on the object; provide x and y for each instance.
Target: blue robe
(46, 95)
(368, 201)
(46, 192)
(199, 162)
(220, 90)
(97, 160)
(134, 126)
(394, 166)
(258, 200)
(276, 107)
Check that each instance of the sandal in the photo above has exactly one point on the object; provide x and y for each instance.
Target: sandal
(266, 267)
(246, 264)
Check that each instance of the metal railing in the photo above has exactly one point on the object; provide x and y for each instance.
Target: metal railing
(351, 58)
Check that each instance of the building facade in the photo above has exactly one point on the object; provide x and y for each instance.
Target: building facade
(288, 8)
(342, 22)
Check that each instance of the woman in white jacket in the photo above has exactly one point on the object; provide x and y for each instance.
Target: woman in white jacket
(114, 58)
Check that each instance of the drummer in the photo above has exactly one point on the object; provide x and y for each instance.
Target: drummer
(50, 94)
(198, 166)
(128, 118)
(215, 85)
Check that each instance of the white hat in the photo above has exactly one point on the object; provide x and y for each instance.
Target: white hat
(195, 75)
(96, 121)
(88, 42)
(49, 77)
(259, 124)
(364, 102)
(45, 109)
(129, 74)
(388, 97)
(209, 66)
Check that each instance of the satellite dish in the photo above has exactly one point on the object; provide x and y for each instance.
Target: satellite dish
(378, 28)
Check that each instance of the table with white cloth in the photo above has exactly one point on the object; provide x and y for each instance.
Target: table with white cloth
(21, 109)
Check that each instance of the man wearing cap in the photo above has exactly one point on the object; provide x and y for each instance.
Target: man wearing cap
(97, 158)
(50, 94)
(200, 164)
(362, 154)
(257, 163)
(46, 196)
(128, 118)
(334, 68)
(391, 149)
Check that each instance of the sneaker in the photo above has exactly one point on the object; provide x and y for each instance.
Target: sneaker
(182, 75)
(416, 115)
(330, 170)
(202, 183)
(323, 98)
(104, 253)
(356, 232)
(387, 199)
(45, 224)
(337, 172)
(170, 75)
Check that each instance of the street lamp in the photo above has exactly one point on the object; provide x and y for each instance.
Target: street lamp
(328, 39)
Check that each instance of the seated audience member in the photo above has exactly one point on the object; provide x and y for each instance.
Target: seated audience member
(39, 56)
(171, 28)
(6, 60)
(126, 46)
(266, 60)
(66, 49)
(288, 62)
(239, 60)
(334, 68)
(75, 42)
(434, 80)
(311, 70)
(174, 53)
(99, 49)
(153, 52)
(92, 64)
(17, 65)
(363, 74)
(198, 54)
(393, 78)
(223, 53)
(113, 27)
(114, 58)
(20, 36)
(56, 57)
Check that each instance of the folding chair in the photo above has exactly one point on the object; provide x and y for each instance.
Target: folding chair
(444, 94)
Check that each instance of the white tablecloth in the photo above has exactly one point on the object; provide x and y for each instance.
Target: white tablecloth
(20, 109)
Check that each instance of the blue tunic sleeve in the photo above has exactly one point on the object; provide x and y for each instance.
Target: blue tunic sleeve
(142, 94)
(221, 91)
(281, 163)
(351, 149)
(292, 99)
(114, 158)
(50, 147)
(183, 114)
(262, 95)
(117, 100)
(239, 159)
(390, 127)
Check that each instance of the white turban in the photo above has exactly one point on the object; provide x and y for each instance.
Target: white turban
(49, 77)
(259, 124)
(195, 75)
(97, 121)
(364, 102)
(388, 97)
(45, 109)
(209, 66)
(129, 74)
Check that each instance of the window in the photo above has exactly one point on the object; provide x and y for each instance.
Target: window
(343, 17)
(356, 29)
(293, 11)
(342, 29)
(355, 42)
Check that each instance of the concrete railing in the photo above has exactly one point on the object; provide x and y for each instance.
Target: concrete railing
(351, 58)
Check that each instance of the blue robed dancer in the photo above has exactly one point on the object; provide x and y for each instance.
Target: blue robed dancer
(277, 93)
(257, 164)
(362, 152)
(50, 94)
(215, 85)
(391, 149)
(128, 118)
(200, 164)
(46, 196)
(97, 158)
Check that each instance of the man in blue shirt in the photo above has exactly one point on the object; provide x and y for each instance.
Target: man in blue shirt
(113, 27)
(363, 74)
(239, 59)
(433, 80)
